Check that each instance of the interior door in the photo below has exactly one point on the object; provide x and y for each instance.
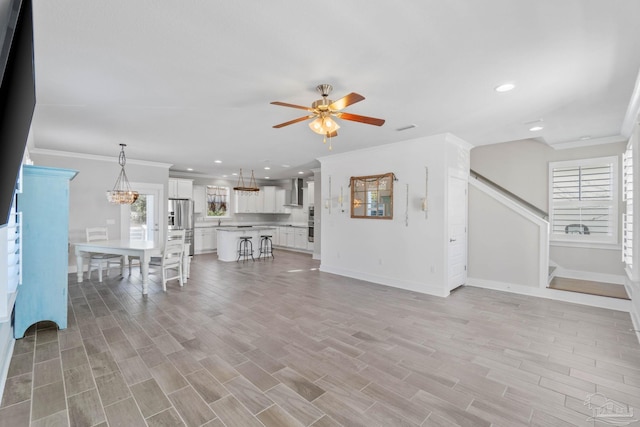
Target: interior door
(457, 230)
(142, 220)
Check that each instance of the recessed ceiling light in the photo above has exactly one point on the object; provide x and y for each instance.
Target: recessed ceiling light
(235, 173)
(224, 176)
(217, 161)
(189, 169)
(266, 177)
(505, 87)
(535, 128)
(267, 168)
(300, 173)
(584, 138)
(286, 166)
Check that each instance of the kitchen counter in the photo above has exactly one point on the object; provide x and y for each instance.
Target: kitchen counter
(226, 226)
(250, 228)
(228, 238)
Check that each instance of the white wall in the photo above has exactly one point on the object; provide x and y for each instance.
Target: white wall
(88, 205)
(503, 245)
(522, 168)
(408, 251)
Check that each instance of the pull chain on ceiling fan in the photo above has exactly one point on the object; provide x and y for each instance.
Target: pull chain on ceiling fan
(323, 110)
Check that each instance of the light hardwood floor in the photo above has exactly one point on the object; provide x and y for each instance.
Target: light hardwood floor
(610, 290)
(278, 343)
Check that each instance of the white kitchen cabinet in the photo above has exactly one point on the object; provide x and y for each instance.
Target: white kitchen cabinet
(281, 197)
(310, 245)
(180, 188)
(269, 199)
(300, 238)
(200, 200)
(287, 237)
(310, 192)
(275, 237)
(205, 240)
(246, 203)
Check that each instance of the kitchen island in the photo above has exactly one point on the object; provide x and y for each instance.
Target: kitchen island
(228, 238)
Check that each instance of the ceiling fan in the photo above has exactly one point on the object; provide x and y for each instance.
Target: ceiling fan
(323, 109)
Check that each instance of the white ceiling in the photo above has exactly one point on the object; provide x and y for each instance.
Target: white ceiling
(190, 82)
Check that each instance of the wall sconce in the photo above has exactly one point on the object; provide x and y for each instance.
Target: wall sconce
(423, 205)
(327, 202)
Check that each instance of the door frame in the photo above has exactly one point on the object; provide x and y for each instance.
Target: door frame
(464, 180)
(157, 190)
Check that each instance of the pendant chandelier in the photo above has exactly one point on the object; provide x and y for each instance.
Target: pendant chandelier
(242, 189)
(122, 193)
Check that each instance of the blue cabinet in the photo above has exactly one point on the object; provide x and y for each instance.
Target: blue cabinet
(44, 203)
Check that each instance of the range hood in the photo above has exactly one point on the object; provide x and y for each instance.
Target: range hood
(294, 196)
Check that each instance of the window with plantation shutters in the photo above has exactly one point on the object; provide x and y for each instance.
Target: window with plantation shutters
(627, 215)
(583, 205)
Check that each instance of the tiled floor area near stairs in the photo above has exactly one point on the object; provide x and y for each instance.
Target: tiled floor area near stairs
(279, 343)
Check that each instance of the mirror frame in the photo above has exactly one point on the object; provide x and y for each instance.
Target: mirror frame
(366, 181)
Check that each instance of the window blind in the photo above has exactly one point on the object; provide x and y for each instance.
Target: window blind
(583, 197)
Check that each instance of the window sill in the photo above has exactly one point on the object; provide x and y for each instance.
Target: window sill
(586, 245)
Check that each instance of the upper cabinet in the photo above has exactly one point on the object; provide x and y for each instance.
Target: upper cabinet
(249, 202)
(281, 199)
(180, 188)
(270, 199)
(199, 199)
(269, 205)
(310, 193)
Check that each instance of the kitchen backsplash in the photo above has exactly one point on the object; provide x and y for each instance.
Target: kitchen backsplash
(295, 217)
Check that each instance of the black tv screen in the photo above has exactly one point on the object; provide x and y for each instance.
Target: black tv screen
(17, 98)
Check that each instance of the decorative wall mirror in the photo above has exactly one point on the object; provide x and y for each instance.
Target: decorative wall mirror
(372, 196)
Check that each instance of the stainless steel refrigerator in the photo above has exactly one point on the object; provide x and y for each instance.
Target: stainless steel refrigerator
(181, 218)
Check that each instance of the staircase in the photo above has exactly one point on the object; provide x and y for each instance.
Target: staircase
(509, 247)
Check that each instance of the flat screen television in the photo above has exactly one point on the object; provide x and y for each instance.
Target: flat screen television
(17, 98)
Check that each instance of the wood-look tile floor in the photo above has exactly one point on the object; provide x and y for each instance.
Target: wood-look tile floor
(278, 343)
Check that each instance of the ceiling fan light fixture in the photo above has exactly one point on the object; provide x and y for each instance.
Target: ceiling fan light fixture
(316, 126)
(324, 125)
(323, 110)
(329, 124)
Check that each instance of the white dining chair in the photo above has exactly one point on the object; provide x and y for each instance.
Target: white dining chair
(136, 233)
(100, 261)
(170, 262)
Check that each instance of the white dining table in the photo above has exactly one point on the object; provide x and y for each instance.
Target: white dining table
(144, 249)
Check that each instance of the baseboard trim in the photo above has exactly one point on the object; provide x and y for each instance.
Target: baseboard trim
(387, 281)
(635, 320)
(554, 294)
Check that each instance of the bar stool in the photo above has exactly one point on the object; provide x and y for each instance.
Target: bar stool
(266, 246)
(245, 248)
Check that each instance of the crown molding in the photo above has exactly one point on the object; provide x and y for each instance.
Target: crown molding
(85, 156)
(589, 142)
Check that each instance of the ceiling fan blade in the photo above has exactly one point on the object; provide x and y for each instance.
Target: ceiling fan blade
(361, 119)
(345, 101)
(290, 122)
(284, 104)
